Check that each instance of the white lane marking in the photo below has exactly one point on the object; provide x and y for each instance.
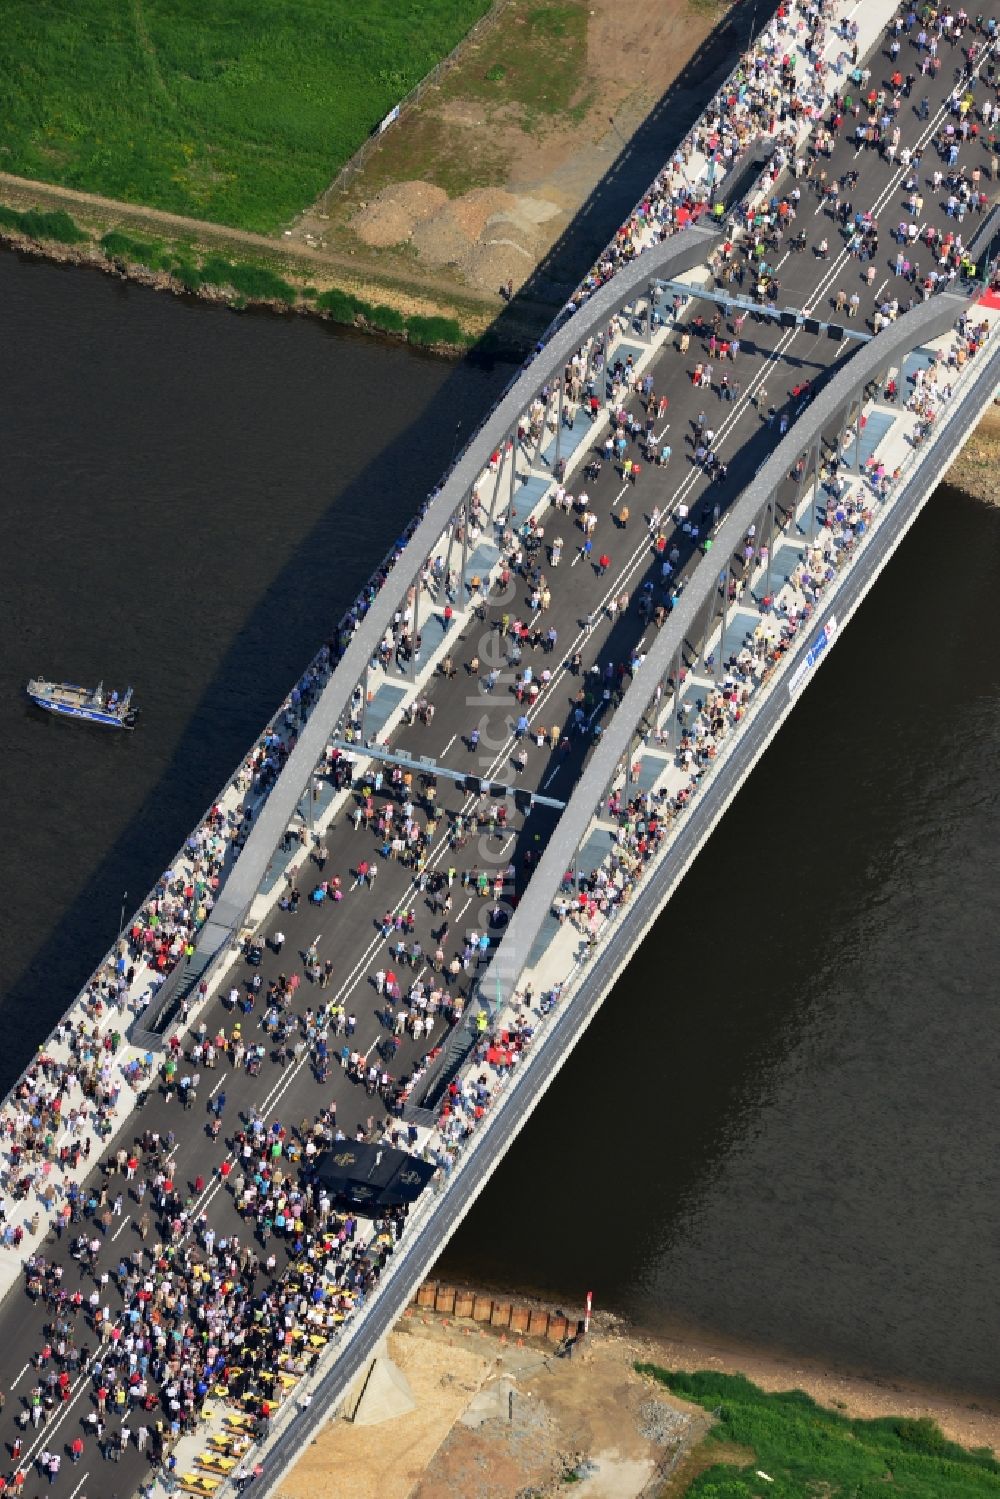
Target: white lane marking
(218, 1085)
(448, 746)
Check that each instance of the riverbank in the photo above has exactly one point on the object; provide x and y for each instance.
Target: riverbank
(498, 1416)
(972, 1422)
(476, 190)
(238, 271)
(976, 470)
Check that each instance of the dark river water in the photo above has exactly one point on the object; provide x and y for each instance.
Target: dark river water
(782, 1128)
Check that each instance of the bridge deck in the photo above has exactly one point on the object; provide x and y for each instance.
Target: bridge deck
(771, 357)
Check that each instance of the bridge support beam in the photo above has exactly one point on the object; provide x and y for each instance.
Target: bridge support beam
(560, 412)
(770, 542)
(411, 665)
(727, 578)
(365, 680)
(675, 707)
(814, 506)
(465, 551)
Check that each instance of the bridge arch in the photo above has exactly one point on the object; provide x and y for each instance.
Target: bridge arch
(671, 258)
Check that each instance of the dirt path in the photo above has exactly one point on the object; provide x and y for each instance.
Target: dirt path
(496, 1421)
(308, 263)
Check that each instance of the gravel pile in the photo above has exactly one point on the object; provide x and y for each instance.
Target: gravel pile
(661, 1423)
(474, 208)
(441, 240)
(390, 218)
(491, 263)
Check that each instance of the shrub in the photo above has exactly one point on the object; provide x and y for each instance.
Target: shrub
(187, 274)
(251, 282)
(118, 246)
(388, 319)
(433, 330)
(341, 306)
(39, 225)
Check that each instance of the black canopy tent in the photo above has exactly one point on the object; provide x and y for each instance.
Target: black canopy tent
(372, 1177)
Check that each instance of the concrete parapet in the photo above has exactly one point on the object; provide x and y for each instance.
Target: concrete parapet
(444, 1300)
(558, 1328)
(538, 1324)
(464, 1302)
(500, 1315)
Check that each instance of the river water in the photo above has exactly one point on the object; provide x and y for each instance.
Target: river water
(781, 1130)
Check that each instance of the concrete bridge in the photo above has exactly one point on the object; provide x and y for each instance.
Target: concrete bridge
(758, 572)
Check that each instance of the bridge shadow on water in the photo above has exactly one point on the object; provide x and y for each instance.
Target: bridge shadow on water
(302, 601)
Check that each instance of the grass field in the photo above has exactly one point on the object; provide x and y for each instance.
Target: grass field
(237, 111)
(788, 1447)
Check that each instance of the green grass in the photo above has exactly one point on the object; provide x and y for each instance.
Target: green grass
(249, 281)
(810, 1452)
(235, 111)
(534, 57)
(433, 330)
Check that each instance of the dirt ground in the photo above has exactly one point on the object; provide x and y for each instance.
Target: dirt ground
(484, 183)
(494, 1420)
(388, 1460)
(541, 1422)
(497, 1421)
(976, 470)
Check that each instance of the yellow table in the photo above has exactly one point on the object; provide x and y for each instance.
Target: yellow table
(214, 1462)
(197, 1483)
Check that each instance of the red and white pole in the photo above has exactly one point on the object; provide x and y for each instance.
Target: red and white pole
(586, 1315)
